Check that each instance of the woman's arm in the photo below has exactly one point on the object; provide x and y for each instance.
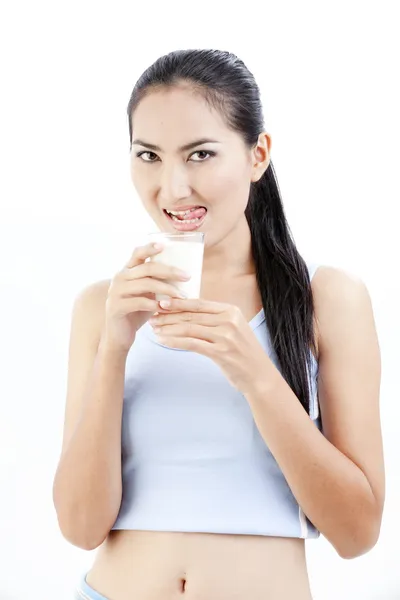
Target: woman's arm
(337, 478)
(87, 487)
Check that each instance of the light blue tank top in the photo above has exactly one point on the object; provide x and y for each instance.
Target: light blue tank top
(192, 457)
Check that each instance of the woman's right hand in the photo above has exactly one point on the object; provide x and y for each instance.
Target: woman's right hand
(131, 296)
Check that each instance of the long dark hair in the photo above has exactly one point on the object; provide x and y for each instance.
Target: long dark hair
(282, 274)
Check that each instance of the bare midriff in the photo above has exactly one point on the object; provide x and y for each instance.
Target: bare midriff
(147, 565)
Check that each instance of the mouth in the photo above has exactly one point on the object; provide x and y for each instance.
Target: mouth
(186, 220)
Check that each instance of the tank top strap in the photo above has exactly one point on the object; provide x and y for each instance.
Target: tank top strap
(312, 268)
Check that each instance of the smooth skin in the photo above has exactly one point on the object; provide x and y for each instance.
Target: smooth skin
(337, 478)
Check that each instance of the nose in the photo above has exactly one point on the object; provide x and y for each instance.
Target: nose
(174, 183)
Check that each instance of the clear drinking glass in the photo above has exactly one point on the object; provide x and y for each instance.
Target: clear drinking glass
(184, 251)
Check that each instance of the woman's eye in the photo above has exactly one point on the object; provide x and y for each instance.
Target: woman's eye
(202, 153)
(151, 154)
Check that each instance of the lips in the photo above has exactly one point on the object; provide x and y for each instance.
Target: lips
(187, 220)
(195, 212)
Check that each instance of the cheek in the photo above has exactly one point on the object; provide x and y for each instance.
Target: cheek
(136, 178)
(230, 185)
(141, 183)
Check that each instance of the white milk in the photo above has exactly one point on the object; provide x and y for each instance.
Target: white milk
(187, 256)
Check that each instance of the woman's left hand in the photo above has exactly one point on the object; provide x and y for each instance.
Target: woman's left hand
(218, 331)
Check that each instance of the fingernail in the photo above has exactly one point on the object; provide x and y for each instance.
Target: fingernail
(165, 303)
(184, 275)
(157, 246)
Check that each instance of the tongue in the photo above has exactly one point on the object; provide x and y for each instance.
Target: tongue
(194, 214)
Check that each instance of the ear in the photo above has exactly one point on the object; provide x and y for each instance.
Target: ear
(261, 156)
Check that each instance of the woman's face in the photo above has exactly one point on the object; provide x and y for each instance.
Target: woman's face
(184, 156)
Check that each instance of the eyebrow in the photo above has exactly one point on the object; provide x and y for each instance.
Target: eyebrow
(181, 149)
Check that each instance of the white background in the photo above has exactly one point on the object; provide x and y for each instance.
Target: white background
(328, 74)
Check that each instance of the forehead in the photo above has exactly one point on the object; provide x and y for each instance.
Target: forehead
(176, 114)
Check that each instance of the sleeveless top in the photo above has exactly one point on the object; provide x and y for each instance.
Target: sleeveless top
(193, 459)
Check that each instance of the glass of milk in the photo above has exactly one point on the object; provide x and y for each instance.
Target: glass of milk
(184, 251)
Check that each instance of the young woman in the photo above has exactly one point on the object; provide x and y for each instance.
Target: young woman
(204, 441)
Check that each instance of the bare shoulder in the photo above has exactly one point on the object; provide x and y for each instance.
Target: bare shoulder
(90, 302)
(94, 293)
(335, 284)
(341, 299)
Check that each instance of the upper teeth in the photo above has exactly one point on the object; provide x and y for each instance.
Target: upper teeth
(179, 213)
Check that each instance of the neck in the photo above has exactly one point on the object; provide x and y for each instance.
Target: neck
(231, 256)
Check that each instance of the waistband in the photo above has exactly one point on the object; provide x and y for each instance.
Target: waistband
(85, 592)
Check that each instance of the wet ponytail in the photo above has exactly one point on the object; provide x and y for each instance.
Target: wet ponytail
(284, 284)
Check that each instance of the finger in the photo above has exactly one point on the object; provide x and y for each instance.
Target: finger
(156, 270)
(148, 285)
(187, 330)
(169, 318)
(141, 253)
(130, 305)
(189, 344)
(195, 306)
